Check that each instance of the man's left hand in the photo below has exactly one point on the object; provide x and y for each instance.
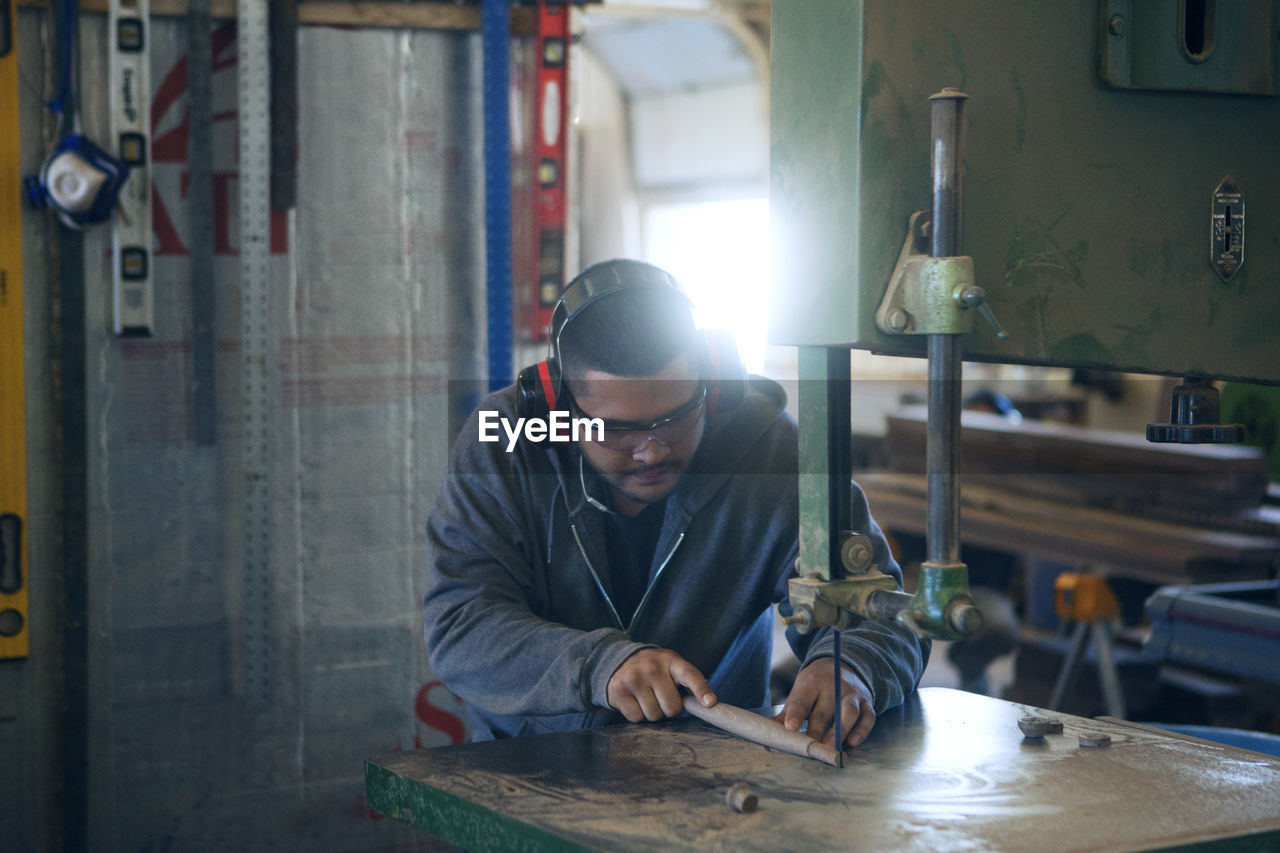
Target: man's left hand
(812, 698)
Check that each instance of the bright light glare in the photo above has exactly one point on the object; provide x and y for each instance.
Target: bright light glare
(719, 252)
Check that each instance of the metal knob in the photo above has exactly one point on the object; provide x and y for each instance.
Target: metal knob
(801, 617)
(964, 618)
(973, 296)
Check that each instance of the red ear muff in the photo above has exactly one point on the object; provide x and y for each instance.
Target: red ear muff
(723, 370)
(548, 385)
(536, 389)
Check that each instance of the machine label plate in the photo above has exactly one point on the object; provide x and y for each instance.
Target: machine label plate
(1226, 235)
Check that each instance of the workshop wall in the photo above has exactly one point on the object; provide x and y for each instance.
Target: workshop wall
(607, 196)
(377, 287)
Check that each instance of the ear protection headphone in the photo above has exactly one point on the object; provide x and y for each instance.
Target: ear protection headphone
(540, 387)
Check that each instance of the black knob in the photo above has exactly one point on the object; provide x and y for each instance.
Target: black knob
(1194, 416)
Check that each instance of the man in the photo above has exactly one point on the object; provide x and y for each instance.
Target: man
(572, 582)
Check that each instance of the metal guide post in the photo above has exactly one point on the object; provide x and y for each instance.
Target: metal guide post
(13, 409)
(129, 36)
(258, 361)
(944, 606)
(947, 230)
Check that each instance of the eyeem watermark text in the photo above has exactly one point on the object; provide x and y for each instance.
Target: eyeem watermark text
(558, 426)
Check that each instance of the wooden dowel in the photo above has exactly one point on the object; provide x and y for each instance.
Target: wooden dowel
(763, 730)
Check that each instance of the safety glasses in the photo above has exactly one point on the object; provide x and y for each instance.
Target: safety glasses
(630, 436)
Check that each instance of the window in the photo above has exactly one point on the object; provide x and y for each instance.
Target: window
(719, 252)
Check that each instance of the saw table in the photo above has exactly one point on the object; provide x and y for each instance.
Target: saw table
(948, 771)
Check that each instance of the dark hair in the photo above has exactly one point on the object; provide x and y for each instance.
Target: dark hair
(633, 332)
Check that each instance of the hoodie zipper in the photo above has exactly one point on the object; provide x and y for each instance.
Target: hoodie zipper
(657, 575)
(591, 567)
(600, 586)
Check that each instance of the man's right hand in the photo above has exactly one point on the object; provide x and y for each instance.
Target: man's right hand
(647, 685)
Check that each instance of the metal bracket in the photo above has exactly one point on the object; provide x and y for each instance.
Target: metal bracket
(942, 606)
(927, 295)
(817, 603)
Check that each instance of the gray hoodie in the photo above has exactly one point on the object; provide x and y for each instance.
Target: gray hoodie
(516, 611)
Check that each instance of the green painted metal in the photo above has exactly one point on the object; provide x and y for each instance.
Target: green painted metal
(819, 492)
(1087, 210)
(455, 820)
(1182, 45)
(940, 588)
(924, 293)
